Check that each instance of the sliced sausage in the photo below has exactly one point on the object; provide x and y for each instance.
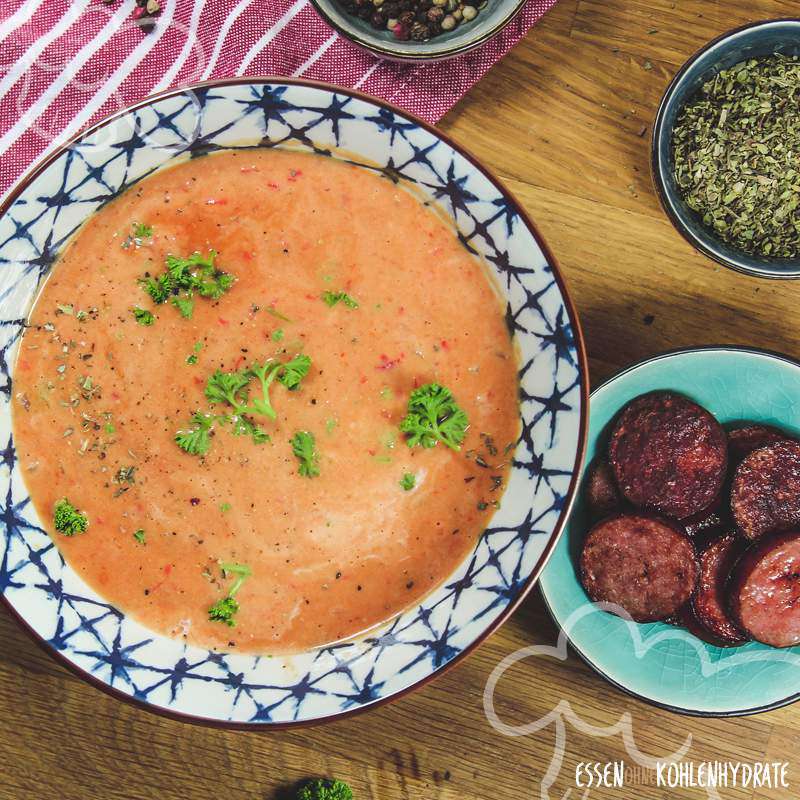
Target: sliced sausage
(602, 497)
(765, 590)
(643, 563)
(765, 494)
(668, 454)
(744, 439)
(709, 603)
(685, 618)
(708, 523)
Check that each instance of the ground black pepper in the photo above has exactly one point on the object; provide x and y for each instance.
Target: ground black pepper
(418, 20)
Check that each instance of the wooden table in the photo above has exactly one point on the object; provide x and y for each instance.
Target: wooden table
(564, 120)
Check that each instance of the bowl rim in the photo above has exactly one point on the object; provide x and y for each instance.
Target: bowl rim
(657, 176)
(677, 351)
(582, 366)
(429, 53)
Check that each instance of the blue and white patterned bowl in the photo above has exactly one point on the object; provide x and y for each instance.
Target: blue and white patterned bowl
(117, 653)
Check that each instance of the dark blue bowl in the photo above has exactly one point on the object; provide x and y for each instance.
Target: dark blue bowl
(758, 39)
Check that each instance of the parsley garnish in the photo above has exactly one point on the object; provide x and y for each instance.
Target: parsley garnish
(332, 298)
(225, 609)
(233, 389)
(140, 536)
(192, 358)
(408, 481)
(224, 507)
(186, 277)
(277, 335)
(68, 520)
(433, 416)
(143, 316)
(196, 439)
(139, 232)
(305, 449)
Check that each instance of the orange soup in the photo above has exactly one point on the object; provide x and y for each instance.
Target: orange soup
(265, 401)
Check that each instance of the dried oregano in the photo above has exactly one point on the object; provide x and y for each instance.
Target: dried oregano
(736, 146)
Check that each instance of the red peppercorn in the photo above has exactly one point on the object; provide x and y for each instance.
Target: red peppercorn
(400, 32)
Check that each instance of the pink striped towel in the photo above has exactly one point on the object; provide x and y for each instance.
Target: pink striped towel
(66, 63)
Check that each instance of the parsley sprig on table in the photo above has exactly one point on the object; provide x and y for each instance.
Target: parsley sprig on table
(225, 609)
(325, 789)
(434, 416)
(186, 277)
(233, 389)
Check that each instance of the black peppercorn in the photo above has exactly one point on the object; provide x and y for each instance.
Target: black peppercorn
(418, 20)
(419, 32)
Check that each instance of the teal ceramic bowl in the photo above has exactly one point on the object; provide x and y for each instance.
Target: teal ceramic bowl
(657, 662)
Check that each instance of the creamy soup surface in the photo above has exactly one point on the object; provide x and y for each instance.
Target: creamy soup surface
(98, 398)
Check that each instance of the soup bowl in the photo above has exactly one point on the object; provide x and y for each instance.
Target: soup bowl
(108, 647)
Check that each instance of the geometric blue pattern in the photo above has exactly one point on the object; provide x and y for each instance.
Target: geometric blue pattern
(98, 639)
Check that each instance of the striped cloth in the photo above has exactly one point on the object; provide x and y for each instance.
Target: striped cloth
(66, 63)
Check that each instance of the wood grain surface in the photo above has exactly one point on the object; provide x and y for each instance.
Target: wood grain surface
(564, 120)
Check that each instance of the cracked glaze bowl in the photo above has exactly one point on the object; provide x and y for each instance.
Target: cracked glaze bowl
(115, 652)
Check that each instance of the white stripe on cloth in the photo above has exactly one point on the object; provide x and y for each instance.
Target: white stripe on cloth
(78, 61)
(20, 17)
(137, 55)
(271, 33)
(366, 76)
(31, 55)
(223, 32)
(315, 57)
(191, 41)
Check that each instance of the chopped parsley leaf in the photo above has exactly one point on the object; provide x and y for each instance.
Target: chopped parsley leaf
(224, 507)
(197, 439)
(233, 390)
(330, 424)
(305, 450)
(333, 298)
(225, 610)
(277, 335)
(140, 536)
(192, 359)
(408, 481)
(294, 371)
(434, 416)
(68, 520)
(142, 231)
(186, 277)
(143, 316)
